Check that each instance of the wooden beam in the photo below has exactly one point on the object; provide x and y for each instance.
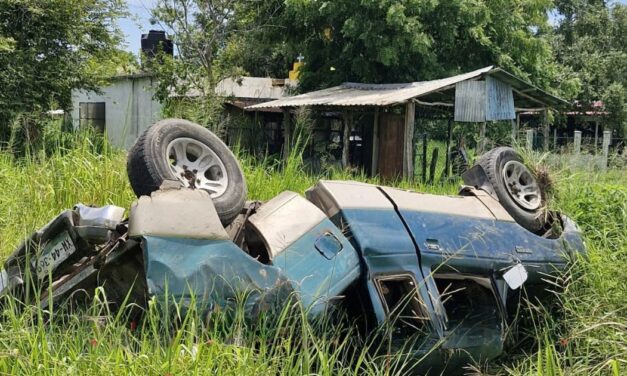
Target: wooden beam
(286, 133)
(529, 109)
(529, 97)
(443, 104)
(408, 144)
(348, 124)
(375, 143)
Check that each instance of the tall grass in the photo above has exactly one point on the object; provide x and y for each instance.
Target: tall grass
(583, 334)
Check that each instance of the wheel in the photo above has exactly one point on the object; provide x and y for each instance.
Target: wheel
(176, 149)
(515, 187)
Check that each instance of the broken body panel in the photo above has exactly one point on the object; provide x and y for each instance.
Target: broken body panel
(432, 267)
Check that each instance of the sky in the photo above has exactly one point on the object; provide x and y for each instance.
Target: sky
(139, 22)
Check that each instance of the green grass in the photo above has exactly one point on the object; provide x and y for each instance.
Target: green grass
(584, 334)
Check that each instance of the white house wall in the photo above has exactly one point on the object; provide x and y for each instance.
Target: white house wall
(129, 108)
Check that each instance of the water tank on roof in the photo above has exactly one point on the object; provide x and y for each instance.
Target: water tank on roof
(155, 41)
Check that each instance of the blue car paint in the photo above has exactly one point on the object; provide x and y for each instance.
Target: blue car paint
(317, 278)
(385, 247)
(478, 246)
(378, 242)
(214, 271)
(397, 241)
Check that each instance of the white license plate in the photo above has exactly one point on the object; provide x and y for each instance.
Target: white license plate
(55, 252)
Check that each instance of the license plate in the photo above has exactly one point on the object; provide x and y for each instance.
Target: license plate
(55, 252)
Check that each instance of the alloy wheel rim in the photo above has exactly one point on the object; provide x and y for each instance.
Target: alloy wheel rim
(522, 185)
(197, 166)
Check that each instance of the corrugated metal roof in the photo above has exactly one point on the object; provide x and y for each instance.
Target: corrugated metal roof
(254, 87)
(355, 94)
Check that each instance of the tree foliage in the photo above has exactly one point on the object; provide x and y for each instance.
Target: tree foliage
(48, 48)
(590, 43)
(209, 36)
(409, 40)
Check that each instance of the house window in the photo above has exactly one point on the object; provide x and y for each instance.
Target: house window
(402, 303)
(92, 114)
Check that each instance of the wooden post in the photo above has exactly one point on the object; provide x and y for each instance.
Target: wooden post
(554, 139)
(447, 162)
(530, 139)
(286, 133)
(577, 143)
(481, 138)
(607, 140)
(424, 157)
(514, 131)
(434, 162)
(596, 136)
(375, 143)
(348, 125)
(545, 130)
(517, 124)
(408, 145)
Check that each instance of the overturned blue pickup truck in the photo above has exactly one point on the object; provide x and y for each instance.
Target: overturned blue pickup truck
(445, 268)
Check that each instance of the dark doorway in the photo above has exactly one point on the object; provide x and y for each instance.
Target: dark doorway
(391, 135)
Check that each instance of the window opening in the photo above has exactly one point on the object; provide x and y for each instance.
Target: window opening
(92, 114)
(468, 299)
(404, 307)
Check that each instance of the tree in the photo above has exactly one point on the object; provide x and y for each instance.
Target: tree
(409, 40)
(48, 48)
(209, 36)
(589, 41)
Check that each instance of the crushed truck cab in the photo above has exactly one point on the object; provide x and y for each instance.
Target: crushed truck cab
(436, 264)
(440, 272)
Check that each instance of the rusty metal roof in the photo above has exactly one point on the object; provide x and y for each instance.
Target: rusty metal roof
(254, 87)
(357, 94)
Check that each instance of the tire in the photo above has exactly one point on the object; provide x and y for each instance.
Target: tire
(176, 149)
(515, 187)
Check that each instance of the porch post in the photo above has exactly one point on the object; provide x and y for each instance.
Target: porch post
(607, 140)
(286, 133)
(545, 130)
(482, 138)
(348, 124)
(408, 144)
(596, 136)
(375, 143)
(577, 142)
